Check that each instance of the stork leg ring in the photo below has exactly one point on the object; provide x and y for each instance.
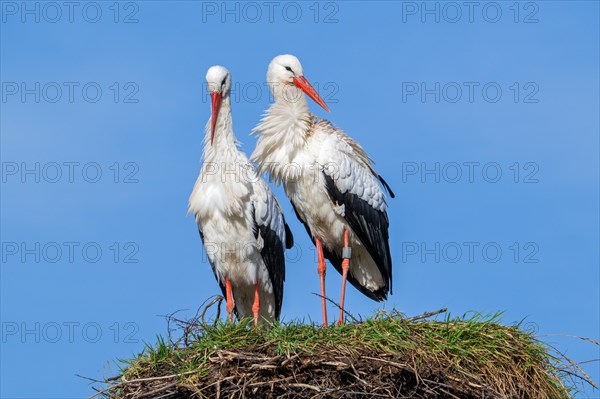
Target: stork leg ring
(229, 299)
(346, 255)
(256, 305)
(321, 269)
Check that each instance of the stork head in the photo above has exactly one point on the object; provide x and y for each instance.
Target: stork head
(218, 79)
(285, 71)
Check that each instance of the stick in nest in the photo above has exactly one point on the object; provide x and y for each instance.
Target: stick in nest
(425, 315)
(217, 299)
(354, 319)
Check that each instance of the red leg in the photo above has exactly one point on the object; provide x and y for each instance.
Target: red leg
(229, 299)
(321, 269)
(256, 305)
(346, 254)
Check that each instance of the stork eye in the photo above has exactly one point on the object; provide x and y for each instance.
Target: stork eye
(289, 69)
(224, 80)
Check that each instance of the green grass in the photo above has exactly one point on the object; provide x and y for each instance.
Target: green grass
(471, 356)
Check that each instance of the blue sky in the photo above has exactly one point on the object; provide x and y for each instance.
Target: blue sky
(484, 121)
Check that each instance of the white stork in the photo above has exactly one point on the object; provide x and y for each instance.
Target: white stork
(240, 222)
(330, 181)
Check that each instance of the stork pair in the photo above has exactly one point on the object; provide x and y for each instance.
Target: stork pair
(328, 178)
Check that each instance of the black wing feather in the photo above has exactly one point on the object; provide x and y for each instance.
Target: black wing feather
(336, 262)
(289, 237)
(371, 227)
(387, 186)
(273, 256)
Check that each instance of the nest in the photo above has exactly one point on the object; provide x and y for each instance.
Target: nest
(388, 356)
(327, 375)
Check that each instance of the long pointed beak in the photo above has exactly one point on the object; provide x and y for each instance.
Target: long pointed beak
(307, 88)
(216, 106)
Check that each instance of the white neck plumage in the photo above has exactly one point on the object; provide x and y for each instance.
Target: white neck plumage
(224, 139)
(282, 132)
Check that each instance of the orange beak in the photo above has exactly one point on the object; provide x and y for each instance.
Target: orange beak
(307, 88)
(216, 106)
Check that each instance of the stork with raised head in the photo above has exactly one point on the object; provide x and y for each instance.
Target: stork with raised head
(240, 221)
(330, 181)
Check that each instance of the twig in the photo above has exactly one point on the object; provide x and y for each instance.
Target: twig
(593, 341)
(371, 394)
(158, 390)
(583, 376)
(121, 384)
(219, 299)
(114, 378)
(90, 379)
(425, 315)
(354, 319)
(589, 361)
(398, 365)
(306, 386)
(171, 317)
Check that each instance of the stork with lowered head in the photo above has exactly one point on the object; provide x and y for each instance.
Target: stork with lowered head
(240, 221)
